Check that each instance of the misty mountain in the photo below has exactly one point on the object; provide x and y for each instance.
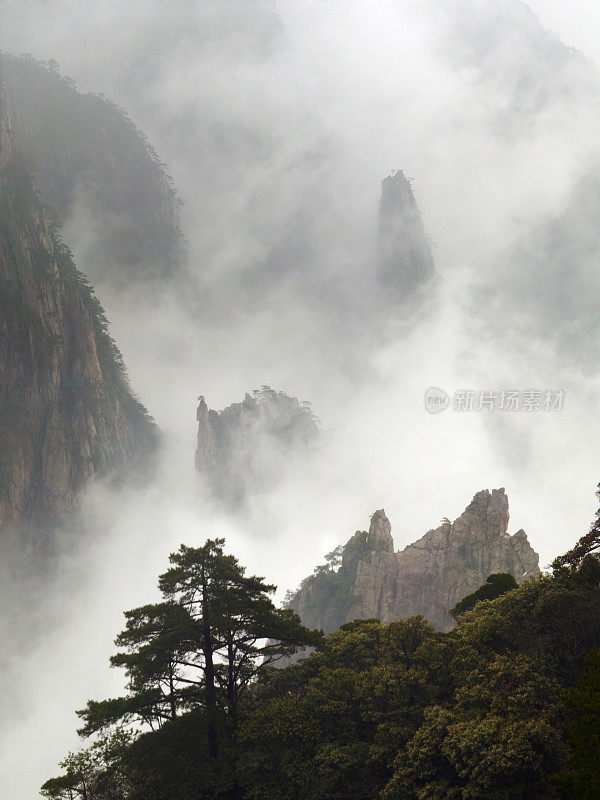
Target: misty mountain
(244, 448)
(67, 412)
(294, 265)
(557, 260)
(404, 254)
(368, 579)
(85, 164)
(89, 160)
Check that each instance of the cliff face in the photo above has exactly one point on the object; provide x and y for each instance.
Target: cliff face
(428, 577)
(404, 255)
(66, 410)
(5, 128)
(92, 164)
(240, 449)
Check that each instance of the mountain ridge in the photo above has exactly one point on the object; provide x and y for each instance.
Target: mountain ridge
(427, 577)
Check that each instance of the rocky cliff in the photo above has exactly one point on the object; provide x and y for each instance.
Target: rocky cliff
(96, 169)
(242, 447)
(367, 579)
(66, 410)
(404, 255)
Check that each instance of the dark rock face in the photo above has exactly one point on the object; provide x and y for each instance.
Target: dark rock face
(66, 410)
(90, 161)
(428, 577)
(405, 259)
(241, 448)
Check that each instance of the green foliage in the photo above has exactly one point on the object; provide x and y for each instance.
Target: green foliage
(65, 786)
(329, 726)
(496, 585)
(330, 589)
(395, 712)
(581, 781)
(174, 763)
(402, 712)
(333, 561)
(498, 738)
(96, 772)
(198, 651)
(588, 545)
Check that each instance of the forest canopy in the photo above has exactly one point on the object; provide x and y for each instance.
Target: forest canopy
(505, 706)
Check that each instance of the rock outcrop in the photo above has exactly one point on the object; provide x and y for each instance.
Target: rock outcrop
(242, 448)
(404, 255)
(428, 577)
(66, 410)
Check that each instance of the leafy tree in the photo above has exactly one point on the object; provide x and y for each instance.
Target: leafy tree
(65, 787)
(173, 763)
(333, 562)
(93, 772)
(581, 781)
(80, 768)
(410, 713)
(157, 652)
(497, 738)
(329, 726)
(496, 585)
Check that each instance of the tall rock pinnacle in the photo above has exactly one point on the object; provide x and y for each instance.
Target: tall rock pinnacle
(404, 256)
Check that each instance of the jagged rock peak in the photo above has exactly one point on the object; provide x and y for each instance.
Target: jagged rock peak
(380, 532)
(427, 577)
(396, 192)
(404, 254)
(491, 503)
(247, 445)
(487, 512)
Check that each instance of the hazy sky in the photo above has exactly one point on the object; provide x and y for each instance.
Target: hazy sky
(278, 123)
(576, 22)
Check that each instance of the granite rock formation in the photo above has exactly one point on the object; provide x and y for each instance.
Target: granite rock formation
(404, 255)
(241, 449)
(428, 577)
(66, 410)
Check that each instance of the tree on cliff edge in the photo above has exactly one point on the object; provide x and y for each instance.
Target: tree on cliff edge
(584, 558)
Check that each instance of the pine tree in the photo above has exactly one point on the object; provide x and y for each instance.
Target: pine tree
(587, 546)
(201, 647)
